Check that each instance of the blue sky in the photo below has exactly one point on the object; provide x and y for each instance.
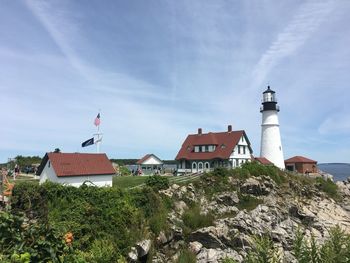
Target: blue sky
(158, 70)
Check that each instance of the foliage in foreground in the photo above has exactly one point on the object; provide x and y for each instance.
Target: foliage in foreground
(327, 186)
(27, 241)
(104, 222)
(157, 182)
(186, 256)
(336, 249)
(193, 219)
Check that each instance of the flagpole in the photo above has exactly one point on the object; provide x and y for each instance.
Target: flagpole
(98, 139)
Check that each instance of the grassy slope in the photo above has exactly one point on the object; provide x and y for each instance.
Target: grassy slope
(135, 181)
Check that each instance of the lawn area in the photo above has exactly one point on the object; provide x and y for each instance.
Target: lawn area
(134, 181)
(128, 181)
(21, 178)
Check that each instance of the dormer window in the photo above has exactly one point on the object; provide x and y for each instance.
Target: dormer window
(203, 148)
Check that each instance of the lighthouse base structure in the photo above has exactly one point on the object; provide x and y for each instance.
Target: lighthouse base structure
(271, 146)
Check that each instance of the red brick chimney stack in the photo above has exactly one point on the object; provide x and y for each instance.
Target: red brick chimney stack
(199, 131)
(229, 128)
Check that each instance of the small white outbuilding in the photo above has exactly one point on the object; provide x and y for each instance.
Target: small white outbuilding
(76, 168)
(150, 164)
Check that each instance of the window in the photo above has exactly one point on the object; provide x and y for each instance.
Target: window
(243, 149)
(239, 149)
(207, 148)
(242, 138)
(203, 148)
(196, 149)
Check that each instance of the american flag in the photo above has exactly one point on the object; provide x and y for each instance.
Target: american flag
(97, 120)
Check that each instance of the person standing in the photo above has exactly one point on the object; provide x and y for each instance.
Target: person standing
(16, 172)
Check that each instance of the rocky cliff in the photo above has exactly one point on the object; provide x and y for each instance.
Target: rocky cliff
(241, 208)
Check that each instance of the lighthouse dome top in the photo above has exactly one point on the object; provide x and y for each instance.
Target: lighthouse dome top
(269, 90)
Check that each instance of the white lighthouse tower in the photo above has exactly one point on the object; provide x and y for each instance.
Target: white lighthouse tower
(271, 146)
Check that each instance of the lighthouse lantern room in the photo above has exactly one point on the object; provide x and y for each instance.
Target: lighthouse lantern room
(271, 146)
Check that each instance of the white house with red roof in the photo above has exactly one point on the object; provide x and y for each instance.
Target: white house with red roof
(205, 151)
(150, 164)
(76, 168)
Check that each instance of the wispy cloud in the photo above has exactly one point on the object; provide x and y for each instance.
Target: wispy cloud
(338, 123)
(308, 19)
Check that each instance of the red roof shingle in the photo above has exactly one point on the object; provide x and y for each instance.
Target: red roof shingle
(225, 143)
(299, 159)
(79, 164)
(144, 158)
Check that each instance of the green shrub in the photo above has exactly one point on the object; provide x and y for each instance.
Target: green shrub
(103, 251)
(228, 260)
(263, 251)
(90, 213)
(124, 171)
(336, 249)
(193, 219)
(248, 202)
(186, 256)
(215, 182)
(328, 186)
(154, 208)
(24, 241)
(220, 171)
(257, 169)
(157, 182)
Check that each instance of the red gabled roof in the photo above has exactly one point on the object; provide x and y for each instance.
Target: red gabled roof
(79, 164)
(144, 158)
(262, 160)
(228, 139)
(299, 159)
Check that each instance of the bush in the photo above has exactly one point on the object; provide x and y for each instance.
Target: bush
(257, 169)
(327, 186)
(336, 249)
(193, 219)
(154, 208)
(23, 241)
(186, 256)
(124, 171)
(215, 182)
(263, 251)
(103, 251)
(90, 213)
(157, 182)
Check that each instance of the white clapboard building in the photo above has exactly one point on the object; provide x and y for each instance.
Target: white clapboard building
(76, 168)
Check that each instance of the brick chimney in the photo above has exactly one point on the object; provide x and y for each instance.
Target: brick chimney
(199, 131)
(229, 128)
